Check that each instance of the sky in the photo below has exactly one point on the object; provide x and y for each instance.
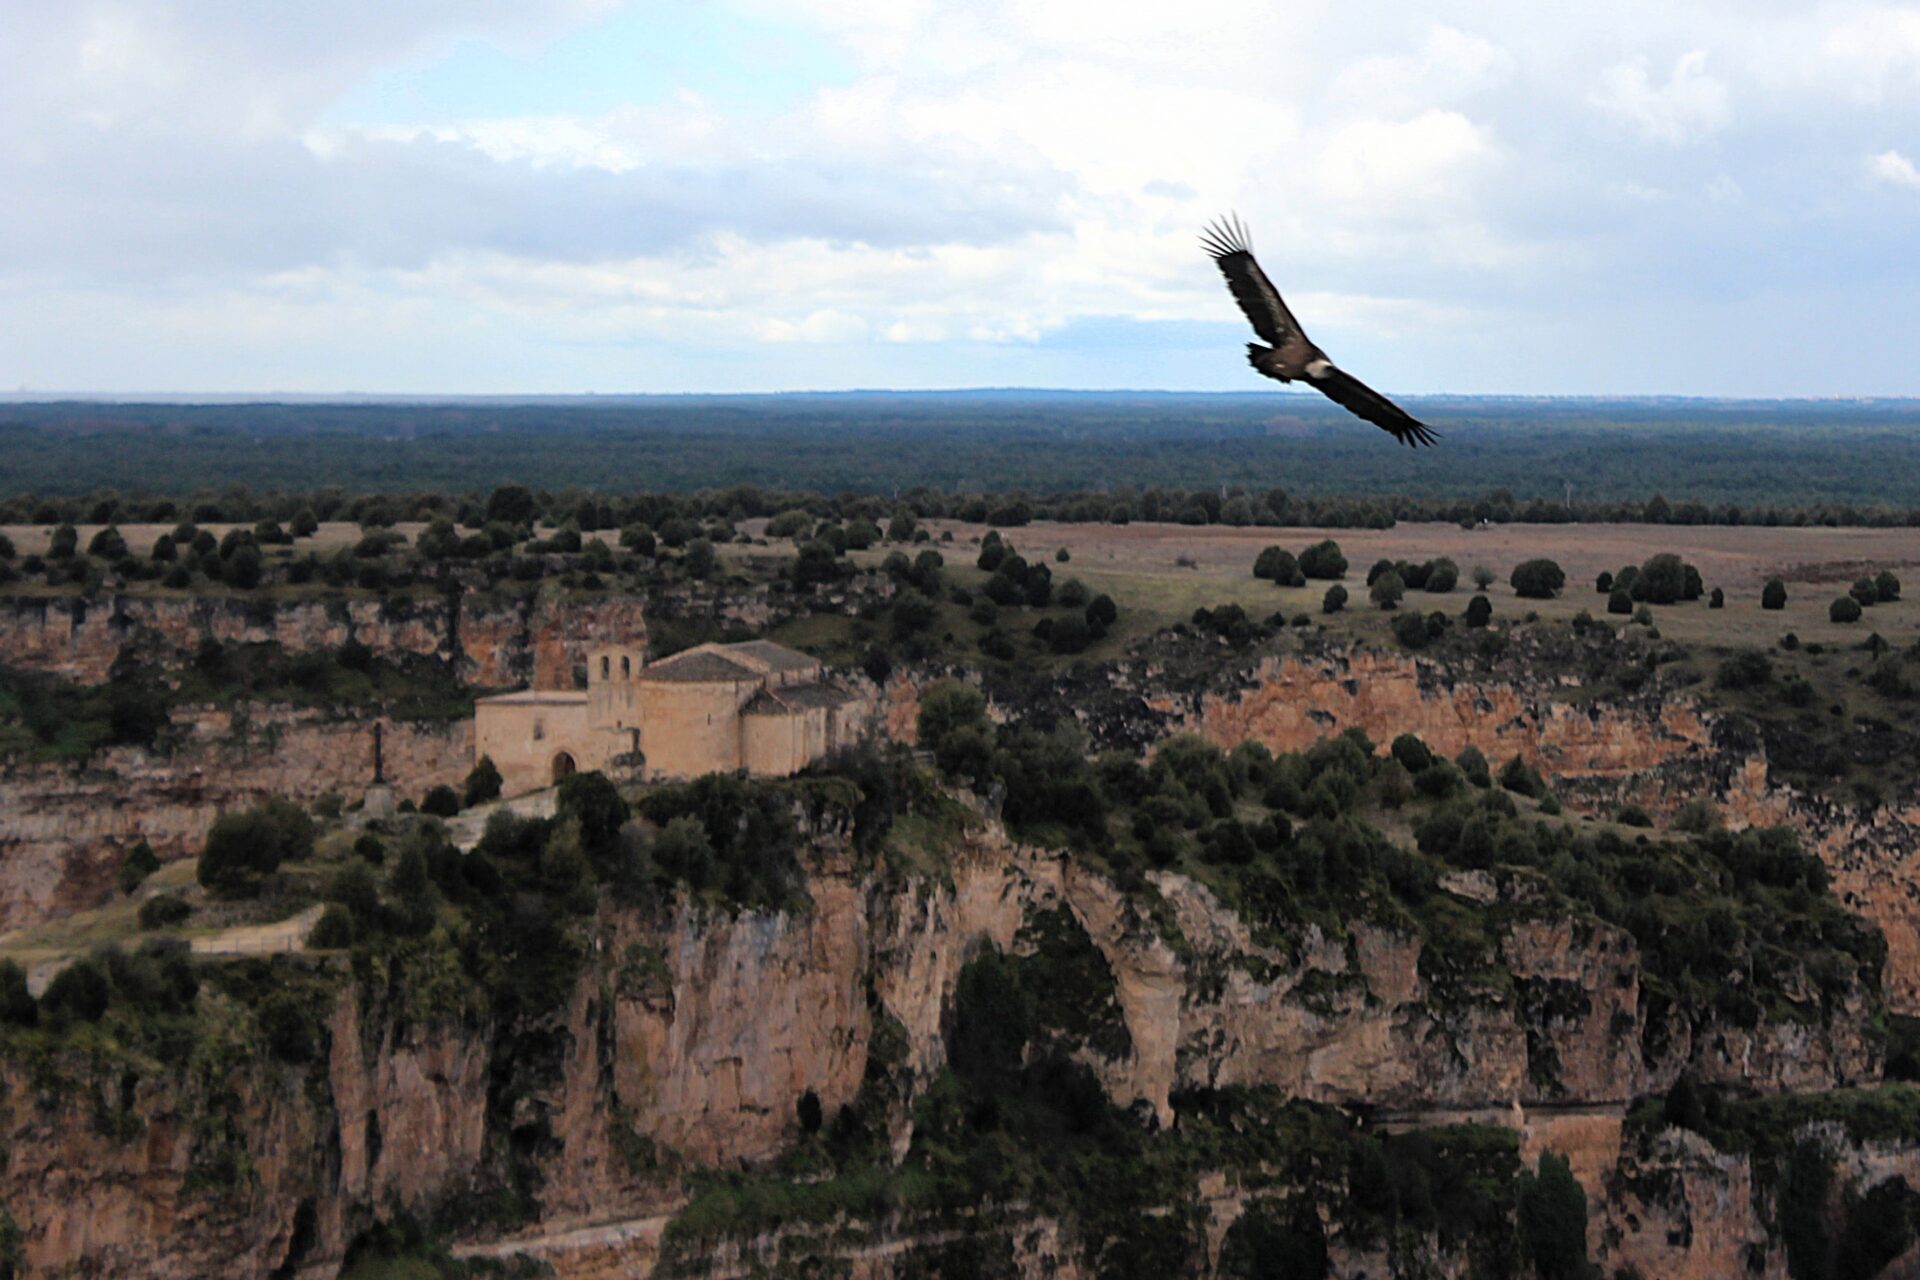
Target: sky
(1688, 197)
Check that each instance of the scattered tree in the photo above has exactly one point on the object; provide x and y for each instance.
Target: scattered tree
(1323, 560)
(1539, 579)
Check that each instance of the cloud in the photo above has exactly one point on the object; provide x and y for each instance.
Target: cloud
(1894, 169)
(1688, 107)
(1878, 49)
(1449, 66)
(983, 191)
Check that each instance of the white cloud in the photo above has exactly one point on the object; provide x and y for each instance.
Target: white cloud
(1401, 166)
(1878, 49)
(1894, 169)
(1450, 65)
(1688, 107)
(996, 172)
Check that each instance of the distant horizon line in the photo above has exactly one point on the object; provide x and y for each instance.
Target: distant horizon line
(33, 396)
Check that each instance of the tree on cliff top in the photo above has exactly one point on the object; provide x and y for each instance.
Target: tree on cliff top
(243, 849)
(511, 504)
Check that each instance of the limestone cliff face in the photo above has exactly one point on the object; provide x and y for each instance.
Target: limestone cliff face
(1657, 753)
(492, 641)
(63, 830)
(692, 1035)
(1289, 704)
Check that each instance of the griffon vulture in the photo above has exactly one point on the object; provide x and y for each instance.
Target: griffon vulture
(1292, 354)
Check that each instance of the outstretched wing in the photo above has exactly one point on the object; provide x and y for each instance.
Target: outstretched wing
(1226, 241)
(1357, 397)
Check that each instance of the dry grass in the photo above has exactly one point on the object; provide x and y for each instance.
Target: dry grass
(1137, 565)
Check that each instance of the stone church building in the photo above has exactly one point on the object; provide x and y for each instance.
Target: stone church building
(757, 707)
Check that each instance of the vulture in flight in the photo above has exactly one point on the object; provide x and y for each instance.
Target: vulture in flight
(1291, 354)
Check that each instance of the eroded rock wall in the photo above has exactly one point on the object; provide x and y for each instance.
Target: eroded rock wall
(491, 641)
(63, 830)
(692, 1035)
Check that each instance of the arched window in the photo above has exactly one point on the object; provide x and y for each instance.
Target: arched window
(606, 666)
(626, 668)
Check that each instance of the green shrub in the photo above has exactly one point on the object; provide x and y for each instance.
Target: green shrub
(1440, 781)
(1697, 817)
(1661, 580)
(1442, 576)
(1387, 591)
(17, 1006)
(1335, 600)
(334, 930)
(1553, 1220)
(1886, 586)
(1101, 614)
(78, 993)
(483, 783)
(1774, 594)
(1473, 765)
(1844, 609)
(1632, 815)
(441, 801)
(1538, 579)
(1747, 669)
(1717, 600)
(1521, 778)
(242, 849)
(1278, 566)
(1411, 753)
(139, 863)
(1411, 630)
(163, 911)
(1479, 612)
(1323, 560)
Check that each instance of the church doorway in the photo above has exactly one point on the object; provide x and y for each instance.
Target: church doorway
(563, 767)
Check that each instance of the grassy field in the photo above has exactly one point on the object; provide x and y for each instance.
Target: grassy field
(1161, 573)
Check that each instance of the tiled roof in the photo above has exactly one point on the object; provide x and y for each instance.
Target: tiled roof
(697, 665)
(794, 698)
(813, 695)
(777, 657)
(539, 697)
(765, 704)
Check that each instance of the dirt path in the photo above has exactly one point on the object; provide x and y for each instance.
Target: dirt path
(260, 939)
(626, 1234)
(466, 827)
